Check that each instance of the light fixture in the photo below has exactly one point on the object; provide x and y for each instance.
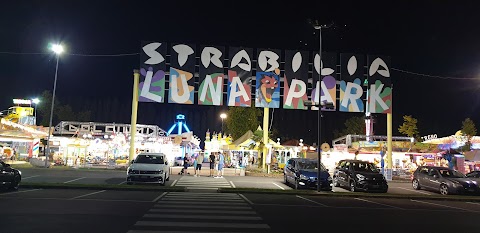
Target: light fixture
(57, 48)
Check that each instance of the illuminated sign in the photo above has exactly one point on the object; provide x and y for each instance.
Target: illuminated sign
(22, 101)
(288, 78)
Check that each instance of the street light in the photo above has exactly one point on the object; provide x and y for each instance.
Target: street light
(319, 27)
(57, 49)
(223, 116)
(36, 101)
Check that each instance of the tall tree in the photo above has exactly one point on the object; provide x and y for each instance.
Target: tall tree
(354, 125)
(44, 107)
(469, 130)
(409, 127)
(241, 119)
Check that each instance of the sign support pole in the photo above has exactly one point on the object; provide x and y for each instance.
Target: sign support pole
(389, 147)
(265, 136)
(133, 128)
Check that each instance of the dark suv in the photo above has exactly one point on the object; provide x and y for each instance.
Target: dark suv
(359, 175)
(302, 173)
(443, 180)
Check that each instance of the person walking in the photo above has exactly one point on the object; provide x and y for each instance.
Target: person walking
(212, 163)
(221, 164)
(199, 161)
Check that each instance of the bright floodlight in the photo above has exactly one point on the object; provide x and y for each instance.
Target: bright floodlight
(223, 115)
(57, 48)
(36, 101)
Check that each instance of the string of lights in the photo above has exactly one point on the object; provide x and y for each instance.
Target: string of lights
(135, 54)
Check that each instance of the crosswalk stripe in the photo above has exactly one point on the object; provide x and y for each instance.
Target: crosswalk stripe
(204, 224)
(213, 217)
(204, 207)
(201, 203)
(197, 200)
(200, 212)
(160, 231)
(186, 210)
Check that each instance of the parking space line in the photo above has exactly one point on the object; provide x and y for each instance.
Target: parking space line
(413, 190)
(24, 191)
(123, 182)
(282, 188)
(245, 198)
(160, 196)
(174, 182)
(475, 203)
(306, 199)
(458, 208)
(377, 203)
(231, 182)
(88, 194)
(24, 178)
(66, 182)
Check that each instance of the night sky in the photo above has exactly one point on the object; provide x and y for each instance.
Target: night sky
(426, 37)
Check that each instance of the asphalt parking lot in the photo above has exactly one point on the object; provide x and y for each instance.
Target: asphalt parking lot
(116, 177)
(73, 210)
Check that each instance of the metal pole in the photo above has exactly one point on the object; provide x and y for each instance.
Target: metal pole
(389, 147)
(222, 127)
(133, 123)
(265, 136)
(319, 170)
(47, 152)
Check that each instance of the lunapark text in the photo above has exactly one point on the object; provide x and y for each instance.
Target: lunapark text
(291, 71)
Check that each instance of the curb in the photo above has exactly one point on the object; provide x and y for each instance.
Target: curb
(101, 187)
(349, 194)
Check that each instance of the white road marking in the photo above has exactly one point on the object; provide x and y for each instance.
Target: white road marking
(282, 188)
(458, 208)
(306, 199)
(24, 191)
(29, 177)
(413, 190)
(88, 194)
(245, 198)
(123, 182)
(204, 224)
(172, 206)
(174, 182)
(231, 182)
(475, 203)
(159, 197)
(66, 182)
(395, 207)
(191, 216)
(197, 211)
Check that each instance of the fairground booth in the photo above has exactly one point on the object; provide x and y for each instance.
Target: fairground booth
(109, 143)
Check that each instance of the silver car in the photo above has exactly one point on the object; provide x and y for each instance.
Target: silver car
(149, 168)
(444, 180)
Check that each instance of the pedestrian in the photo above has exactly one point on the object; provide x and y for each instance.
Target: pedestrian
(185, 164)
(198, 167)
(212, 163)
(221, 164)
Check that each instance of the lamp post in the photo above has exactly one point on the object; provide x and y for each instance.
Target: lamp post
(223, 116)
(319, 27)
(57, 49)
(35, 101)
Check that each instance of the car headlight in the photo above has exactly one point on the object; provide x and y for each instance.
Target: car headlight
(304, 177)
(360, 177)
(19, 172)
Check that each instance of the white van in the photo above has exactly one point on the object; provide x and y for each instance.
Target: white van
(149, 168)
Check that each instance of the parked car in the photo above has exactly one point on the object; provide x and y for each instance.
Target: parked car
(474, 174)
(9, 177)
(302, 173)
(149, 168)
(178, 161)
(443, 180)
(359, 175)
